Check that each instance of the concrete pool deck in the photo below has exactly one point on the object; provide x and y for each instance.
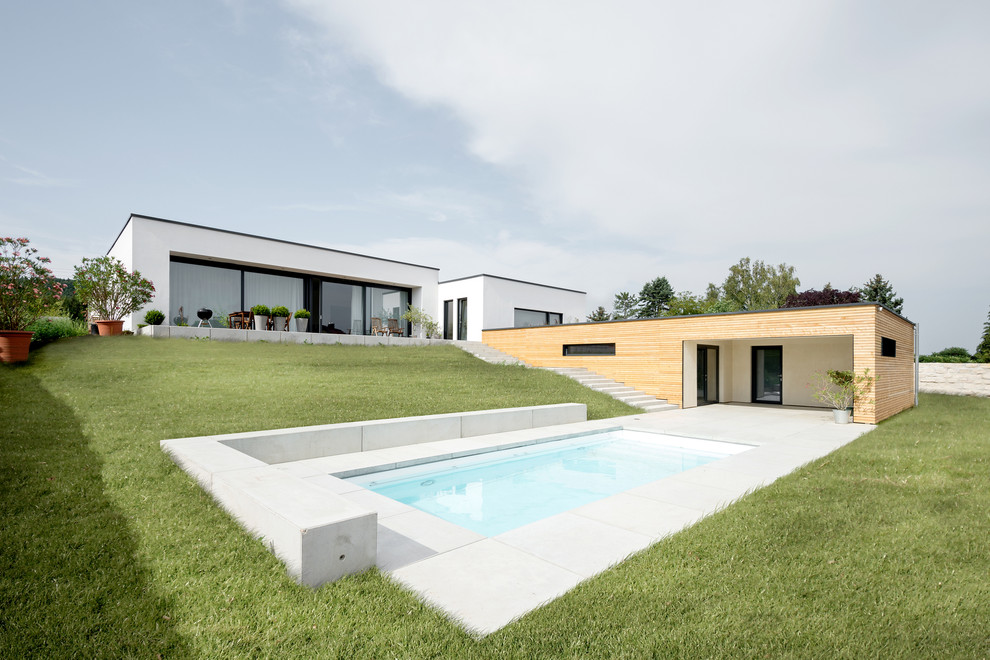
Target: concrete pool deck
(485, 583)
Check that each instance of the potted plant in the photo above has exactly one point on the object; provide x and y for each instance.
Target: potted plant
(840, 389)
(281, 315)
(419, 317)
(302, 320)
(27, 289)
(154, 317)
(261, 314)
(111, 292)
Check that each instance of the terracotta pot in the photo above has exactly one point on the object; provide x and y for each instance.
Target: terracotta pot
(14, 345)
(110, 328)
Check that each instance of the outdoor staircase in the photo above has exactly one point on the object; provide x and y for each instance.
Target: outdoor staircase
(616, 390)
(590, 379)
(485, 352)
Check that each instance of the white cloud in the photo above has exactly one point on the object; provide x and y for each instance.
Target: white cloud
(844, 138)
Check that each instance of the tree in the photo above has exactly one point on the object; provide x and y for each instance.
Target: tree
(654, 299)
(880, 291)
(983, 350)
(599, 315)
(827, 296)
(624, 306)
(109, 290)
(754, 285)
(685, 303)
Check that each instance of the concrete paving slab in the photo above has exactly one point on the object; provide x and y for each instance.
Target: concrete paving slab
(641, 515)
(552, 539)
(514, 583)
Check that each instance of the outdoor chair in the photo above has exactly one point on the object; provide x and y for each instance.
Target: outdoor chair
(376, 326)
(394, 329)
(240, 320)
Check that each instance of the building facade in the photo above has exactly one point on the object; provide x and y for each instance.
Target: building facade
(470, 304)
(764, 357)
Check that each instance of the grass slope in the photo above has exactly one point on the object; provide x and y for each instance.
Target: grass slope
(110, 550)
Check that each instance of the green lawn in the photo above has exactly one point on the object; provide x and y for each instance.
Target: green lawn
(108, 549)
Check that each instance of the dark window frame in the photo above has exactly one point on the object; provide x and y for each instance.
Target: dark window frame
(607, 350)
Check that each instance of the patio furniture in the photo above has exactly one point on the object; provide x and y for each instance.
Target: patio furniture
(376, 326)
(240, 320)
(394, 329)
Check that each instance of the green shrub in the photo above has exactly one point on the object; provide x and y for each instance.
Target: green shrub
(49, 329)
(935, 357)
(261, 310)
(301, 314)
(953, 354)
(954, 351)
(154, 317)
(280, 311)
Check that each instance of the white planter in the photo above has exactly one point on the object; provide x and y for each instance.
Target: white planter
(280, 322)
(260, 322)
(301, 324)
(841, 416)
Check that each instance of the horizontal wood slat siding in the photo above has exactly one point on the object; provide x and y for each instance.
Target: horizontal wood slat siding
(648, 353)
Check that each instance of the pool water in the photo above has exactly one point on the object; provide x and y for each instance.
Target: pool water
(494, 492)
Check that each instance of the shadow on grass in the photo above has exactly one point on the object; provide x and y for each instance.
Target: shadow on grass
(71, 584)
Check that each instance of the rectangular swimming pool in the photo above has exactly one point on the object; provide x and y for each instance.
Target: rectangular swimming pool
(494, 492)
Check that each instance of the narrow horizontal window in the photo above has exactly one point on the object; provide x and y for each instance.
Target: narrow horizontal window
(589, 349)
(888, 347)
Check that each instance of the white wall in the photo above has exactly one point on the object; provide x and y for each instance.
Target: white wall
(472, 288)
(148, 244)
(492, 302)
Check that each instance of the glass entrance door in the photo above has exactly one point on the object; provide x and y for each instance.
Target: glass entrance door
(768, 374)
(707, 375)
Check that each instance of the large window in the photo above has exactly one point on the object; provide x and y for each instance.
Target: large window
(193, 286)
(529, 318)
(273, 291)
(342, 308)
(337, 307)
(385, 304)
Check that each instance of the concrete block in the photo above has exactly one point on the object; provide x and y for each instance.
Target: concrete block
(228, 334)
(563, 413)
(261, 335)
(386, 433)
(483, 422)
(156, 331)
(318, 535)
(297, 444)
(203, 457)
(188, 332)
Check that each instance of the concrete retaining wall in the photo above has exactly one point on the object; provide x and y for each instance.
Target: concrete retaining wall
(948, 378)
(279, 337)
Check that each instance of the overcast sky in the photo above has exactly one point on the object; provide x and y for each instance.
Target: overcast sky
(589, 145)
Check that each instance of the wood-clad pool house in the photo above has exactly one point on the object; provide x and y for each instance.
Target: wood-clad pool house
(766, 357)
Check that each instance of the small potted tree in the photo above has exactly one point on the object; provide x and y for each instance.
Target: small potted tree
(840, 389)
(27, 290)
(261, 314)
(111, 292)
(281, 314)
(302, 320)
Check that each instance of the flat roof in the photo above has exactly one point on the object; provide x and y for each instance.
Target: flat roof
(264, 238)
(753, 311)
(509, 279)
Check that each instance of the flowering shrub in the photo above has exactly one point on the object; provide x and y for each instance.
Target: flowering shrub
(109, 291)
(27, 286)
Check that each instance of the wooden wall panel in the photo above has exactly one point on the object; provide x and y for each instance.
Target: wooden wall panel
(648, 353)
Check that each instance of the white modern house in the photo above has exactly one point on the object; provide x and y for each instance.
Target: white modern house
(482, 302)
(196, 267)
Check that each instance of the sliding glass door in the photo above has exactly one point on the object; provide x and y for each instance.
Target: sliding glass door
(707, 375)
(768, 374)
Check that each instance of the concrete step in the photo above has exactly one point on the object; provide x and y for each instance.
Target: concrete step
(657, 407)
